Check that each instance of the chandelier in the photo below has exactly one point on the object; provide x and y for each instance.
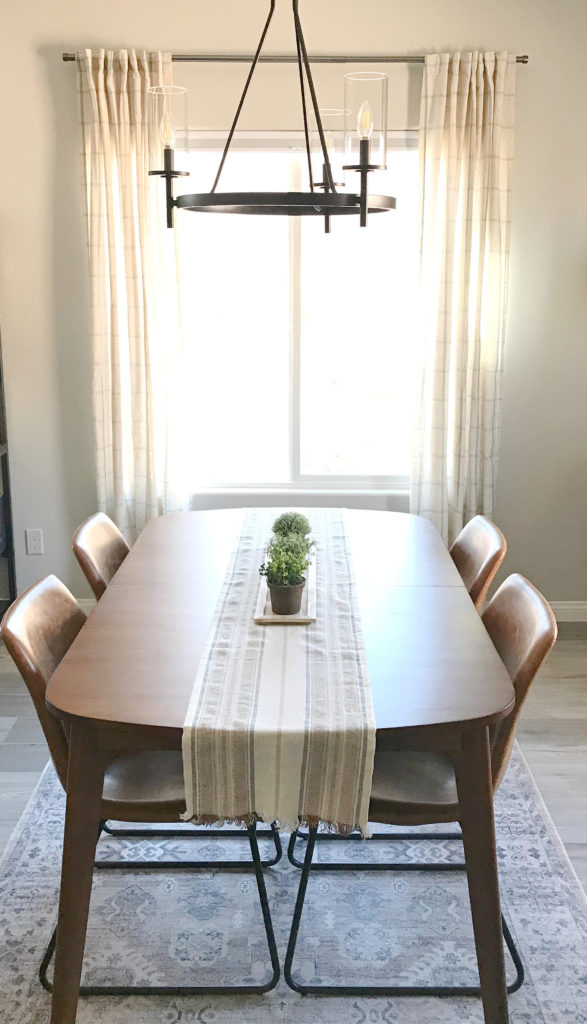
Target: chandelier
(365, 146)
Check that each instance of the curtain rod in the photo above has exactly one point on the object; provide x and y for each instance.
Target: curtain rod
(357, 58)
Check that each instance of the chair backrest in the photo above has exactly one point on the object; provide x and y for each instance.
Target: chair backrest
(478, 553)
(100, 549)
(523, 628)
(37, 629)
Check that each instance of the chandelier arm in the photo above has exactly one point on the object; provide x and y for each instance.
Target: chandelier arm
(304, 112)
(244, 93)
(302, 46)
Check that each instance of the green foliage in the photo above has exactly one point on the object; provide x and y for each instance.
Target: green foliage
(292, 522)
(287, 559)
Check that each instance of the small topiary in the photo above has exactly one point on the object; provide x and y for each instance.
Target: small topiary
(292, 522)
(286, 559)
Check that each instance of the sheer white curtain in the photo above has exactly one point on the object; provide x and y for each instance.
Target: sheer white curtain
(138, 390)
(466, 149)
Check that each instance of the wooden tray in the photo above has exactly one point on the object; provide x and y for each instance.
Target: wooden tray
(265, 616)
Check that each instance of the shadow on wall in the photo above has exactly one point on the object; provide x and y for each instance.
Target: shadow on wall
(70, 330)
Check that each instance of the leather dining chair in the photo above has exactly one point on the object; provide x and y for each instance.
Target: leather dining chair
(478, 552)
(146, 786)
(419, 787)
(100, 550)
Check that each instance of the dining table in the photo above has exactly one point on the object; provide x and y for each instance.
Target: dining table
(436, 679)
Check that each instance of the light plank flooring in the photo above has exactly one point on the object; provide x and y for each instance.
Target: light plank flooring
(553, 737)
(552, 734)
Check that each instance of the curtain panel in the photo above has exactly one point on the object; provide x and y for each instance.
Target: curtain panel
(466, 150)
(138, 390)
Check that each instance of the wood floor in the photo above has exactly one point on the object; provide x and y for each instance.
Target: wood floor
(552, 734)
(553, 737)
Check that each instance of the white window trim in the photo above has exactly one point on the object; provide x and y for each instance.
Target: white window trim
(388, 500)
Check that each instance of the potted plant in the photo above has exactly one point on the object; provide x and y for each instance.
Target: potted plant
(292, 522)
(286, 560)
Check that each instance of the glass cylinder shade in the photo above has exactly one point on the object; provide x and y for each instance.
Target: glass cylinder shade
(365, 116)
(333, 127)
(168, 123)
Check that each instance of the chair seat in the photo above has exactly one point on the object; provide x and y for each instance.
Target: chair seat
(407, 785)
(146, 786)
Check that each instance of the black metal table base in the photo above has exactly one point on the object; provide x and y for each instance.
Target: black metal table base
(378, 990)
(157, 990)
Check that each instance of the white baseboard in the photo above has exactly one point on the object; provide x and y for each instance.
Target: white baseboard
(570, 611)
(87, 604)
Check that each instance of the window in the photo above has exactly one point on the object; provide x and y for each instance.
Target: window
(301, 343)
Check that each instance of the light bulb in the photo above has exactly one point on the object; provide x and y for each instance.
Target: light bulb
(365, 120)
(166, 131)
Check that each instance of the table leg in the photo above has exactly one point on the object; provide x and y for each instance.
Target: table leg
(85, 779)
(476, 803)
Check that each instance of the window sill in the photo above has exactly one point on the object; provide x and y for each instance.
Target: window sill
(390, 500)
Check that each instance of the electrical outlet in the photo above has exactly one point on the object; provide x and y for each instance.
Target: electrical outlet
(34, 542)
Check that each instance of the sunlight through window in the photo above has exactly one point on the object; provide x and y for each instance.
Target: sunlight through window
(301, 344)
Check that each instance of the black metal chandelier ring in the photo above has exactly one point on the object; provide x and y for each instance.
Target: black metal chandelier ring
(293, 204)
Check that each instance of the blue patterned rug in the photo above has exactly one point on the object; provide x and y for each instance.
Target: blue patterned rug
(405, 928)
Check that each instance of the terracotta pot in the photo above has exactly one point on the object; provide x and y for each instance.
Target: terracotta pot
(286, 600)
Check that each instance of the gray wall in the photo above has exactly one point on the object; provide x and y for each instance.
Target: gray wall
(542, 499)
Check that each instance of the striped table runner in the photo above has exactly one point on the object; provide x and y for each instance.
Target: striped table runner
(280, 723)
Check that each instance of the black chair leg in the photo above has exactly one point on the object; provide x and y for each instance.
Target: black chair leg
(158, 990)
(371, 865)
(297, 915)
(311, 838)
(190, 865)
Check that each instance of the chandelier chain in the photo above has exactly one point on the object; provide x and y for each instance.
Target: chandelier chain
(304, 113)
(304, 52)
(244, 93)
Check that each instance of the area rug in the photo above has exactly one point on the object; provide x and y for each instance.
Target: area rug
(191, 928)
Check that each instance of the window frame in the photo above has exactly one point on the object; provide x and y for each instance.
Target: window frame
(299, 483)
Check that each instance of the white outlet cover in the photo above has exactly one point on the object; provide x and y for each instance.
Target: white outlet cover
(34, 542)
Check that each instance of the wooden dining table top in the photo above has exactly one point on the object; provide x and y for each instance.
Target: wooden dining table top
(430, 659)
